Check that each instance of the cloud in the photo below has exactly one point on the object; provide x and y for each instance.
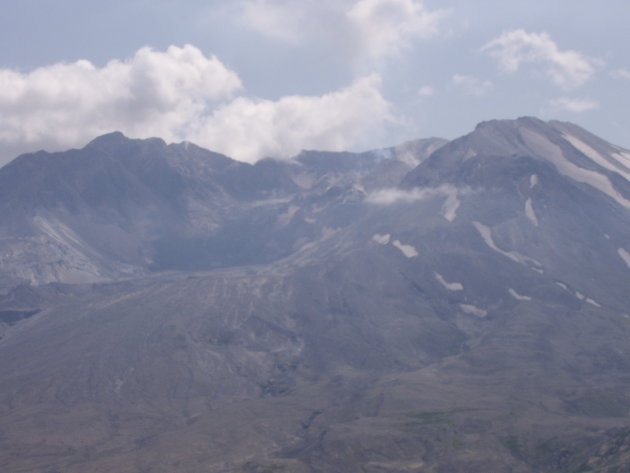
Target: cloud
(179, 94)
(393, 196)
(153, 93)
(363, 29)
(621, 74)
(385, 27)
(278, 19)
(566, 69)
(249, 129)
(426, 91)
(574, 105)
(472, 85)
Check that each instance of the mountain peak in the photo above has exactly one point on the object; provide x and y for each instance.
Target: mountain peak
(505, 124)
(116, 139)
(108, 139)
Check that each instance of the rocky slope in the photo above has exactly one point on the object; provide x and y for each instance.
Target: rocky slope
(453, 308)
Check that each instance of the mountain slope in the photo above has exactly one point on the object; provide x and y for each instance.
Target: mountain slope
(121, 207)
(472, 319)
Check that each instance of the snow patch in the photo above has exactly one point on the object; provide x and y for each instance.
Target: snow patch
(624, 256)
(533, 181)
(562, 285)
(529, 211)
(452, 203)
(586, 299)
(623, 157)
(407, 250)
(286, 217)
(451, 286)
(473, 310)
(486, 234)
(598, 157)
(518, 296)
(542, 146)
(592, 302)
(381, 239)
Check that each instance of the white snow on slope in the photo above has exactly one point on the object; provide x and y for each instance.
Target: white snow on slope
(543, 147)
(381, 239)
(451, 286)
(518, 296)
(623, 157)
(624, 256)
(473, 310)
(486, 234)
(286, 217)
(407, 250)
(533, 181)
(451, 204)
(588, 300)
(529, 211)
(592, 302)
(562, 285)
(598, 157)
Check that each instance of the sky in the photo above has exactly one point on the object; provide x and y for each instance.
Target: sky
(268, 78)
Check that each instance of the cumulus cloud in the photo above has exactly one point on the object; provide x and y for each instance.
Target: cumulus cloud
(153, 93)
(179, 94)
(279, 19)
(385, 27)
(252, 128)
(472, 85)
(567, 69)
(574, 105)
(365, 29)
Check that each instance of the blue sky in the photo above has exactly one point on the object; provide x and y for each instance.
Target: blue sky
(256, 78)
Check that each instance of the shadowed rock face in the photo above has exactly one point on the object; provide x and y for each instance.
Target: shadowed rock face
(457, 307)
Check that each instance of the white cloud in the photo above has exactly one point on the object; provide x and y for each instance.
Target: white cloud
(151, 94)
(574, 105)
(393, 195)
(248, 129)
(179, 94)
(363, 29)
(472, 85)
(621, 74)
(567, 69)
(279, 19)
(385, 27)
(426, 91)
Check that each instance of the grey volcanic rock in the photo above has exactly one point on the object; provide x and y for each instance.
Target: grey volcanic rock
(457, 307)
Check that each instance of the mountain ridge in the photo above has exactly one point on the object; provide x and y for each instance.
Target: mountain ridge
(467, 314)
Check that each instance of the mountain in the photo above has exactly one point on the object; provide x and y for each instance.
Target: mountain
(439, 306)
(124, 208)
